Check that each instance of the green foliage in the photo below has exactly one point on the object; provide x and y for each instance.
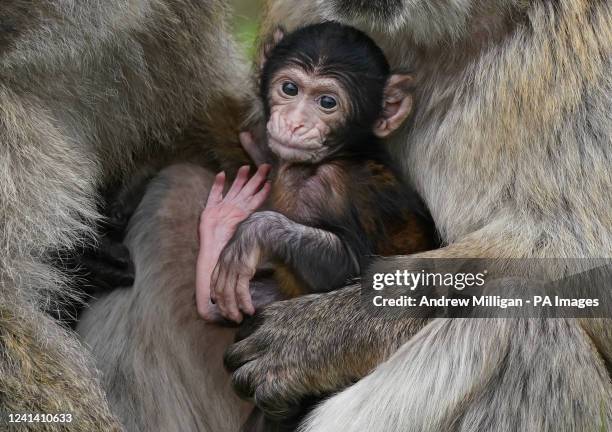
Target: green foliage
(246, 34)
(246, 23)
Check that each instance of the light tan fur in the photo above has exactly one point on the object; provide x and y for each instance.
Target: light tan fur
(88, 91)
(163, 365)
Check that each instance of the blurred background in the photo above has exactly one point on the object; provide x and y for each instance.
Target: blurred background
(245, 23)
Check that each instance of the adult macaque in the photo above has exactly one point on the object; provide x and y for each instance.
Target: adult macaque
(510, 149)
(89, 91)
(328, 97)
(509, 168)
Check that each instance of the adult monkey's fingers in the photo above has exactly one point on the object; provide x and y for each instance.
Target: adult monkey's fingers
(255, 182)
(239, 181)
(216, 191)
(243, 294)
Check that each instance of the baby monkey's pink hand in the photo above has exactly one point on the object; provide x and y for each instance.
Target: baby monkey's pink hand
(218, 222)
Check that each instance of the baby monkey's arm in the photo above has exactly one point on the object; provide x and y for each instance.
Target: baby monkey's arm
(318, 259)
(218, 223)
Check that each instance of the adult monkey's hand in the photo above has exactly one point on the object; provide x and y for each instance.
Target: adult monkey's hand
(310, 346)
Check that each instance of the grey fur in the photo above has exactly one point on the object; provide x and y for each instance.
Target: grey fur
(88, 90)
(162, 366)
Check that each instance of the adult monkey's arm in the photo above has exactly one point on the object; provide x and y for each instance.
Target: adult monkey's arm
(311, 346)
(317, 345)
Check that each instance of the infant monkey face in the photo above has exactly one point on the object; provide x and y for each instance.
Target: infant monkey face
(304, 110)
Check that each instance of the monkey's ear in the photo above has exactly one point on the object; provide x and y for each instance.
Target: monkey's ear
(277, 35)
(397, 104)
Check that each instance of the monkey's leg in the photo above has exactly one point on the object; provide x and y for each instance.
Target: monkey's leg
(162, 365)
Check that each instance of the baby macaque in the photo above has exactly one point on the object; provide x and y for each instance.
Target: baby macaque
(335, 199)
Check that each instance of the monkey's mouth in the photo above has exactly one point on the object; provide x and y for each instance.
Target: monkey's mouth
(295, 152)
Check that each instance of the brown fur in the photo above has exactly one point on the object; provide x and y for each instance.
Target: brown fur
(411, 237)
(306, 194)
(288, 283)
(295, 189)
(408, 234)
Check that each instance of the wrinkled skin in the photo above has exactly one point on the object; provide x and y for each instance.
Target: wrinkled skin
(265, 366)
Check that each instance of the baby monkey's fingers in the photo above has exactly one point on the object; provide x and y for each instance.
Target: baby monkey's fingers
(239, 181)
(254, 150)
(216, 191)
(254, 183)
(228, 299)
(258, 199)
(243, 294)
(223, 292)
(247, 142)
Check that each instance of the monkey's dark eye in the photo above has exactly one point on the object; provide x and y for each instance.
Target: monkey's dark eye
(290, 89)
(327, 102)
